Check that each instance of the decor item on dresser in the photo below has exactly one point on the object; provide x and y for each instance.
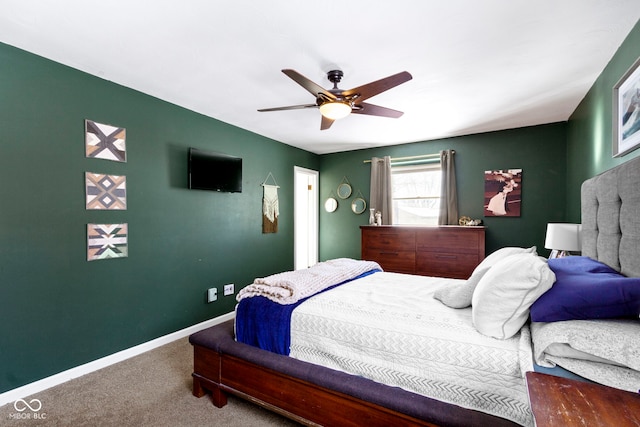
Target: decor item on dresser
(270, 205)
(465, 220)
(562, 239)
(503, 192)
(105, 191)
(105, 141)
(378, 348)
(626, 112)
(444, 251)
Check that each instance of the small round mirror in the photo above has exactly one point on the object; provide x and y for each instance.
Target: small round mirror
(344, 190)
(331, 205)
(358, 205)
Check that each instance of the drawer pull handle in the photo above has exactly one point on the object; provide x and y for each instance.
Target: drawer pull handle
(446, 256)
(389, 253)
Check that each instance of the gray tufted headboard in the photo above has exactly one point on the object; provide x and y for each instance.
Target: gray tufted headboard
(611, 217)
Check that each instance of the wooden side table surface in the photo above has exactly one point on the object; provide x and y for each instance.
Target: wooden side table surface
(557, 401)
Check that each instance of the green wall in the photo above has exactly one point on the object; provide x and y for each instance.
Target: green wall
(59, 310)
(539, 151)
(590, 128)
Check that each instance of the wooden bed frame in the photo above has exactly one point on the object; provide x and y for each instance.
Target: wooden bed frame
(311, 394)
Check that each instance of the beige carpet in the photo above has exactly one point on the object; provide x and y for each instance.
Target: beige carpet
(153, 389)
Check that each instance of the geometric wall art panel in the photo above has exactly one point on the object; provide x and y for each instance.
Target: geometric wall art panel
(106, 191)
(105, 141)
(106, 241)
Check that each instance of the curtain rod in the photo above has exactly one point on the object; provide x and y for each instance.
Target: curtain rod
(423, 156)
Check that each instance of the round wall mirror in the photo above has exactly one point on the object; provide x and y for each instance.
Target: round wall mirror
(358, 205)
(344, 190)
(331, 205)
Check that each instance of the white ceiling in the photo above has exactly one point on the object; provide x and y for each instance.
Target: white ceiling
(477, 66)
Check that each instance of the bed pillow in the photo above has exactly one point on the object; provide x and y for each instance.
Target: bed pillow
(460, 294)
(587, 289)
(505, 293)
(501, 254)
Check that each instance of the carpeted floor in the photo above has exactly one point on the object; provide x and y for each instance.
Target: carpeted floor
(153, 389)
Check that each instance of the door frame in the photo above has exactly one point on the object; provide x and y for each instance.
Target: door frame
(306, 217)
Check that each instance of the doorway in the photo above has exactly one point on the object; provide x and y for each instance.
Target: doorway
(305, 217)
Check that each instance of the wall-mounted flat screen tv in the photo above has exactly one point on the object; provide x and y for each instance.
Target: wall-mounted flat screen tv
(210, 170)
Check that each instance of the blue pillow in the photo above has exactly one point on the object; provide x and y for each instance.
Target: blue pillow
(587, 289)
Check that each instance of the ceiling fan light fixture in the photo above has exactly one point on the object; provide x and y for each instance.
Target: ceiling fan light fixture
(335, 110)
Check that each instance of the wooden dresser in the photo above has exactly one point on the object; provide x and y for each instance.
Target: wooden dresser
(445, 251)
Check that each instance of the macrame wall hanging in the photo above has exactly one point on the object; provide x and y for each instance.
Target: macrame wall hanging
(270, 208)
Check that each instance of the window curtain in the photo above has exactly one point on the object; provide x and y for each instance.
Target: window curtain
(448, 194)
(381, 198)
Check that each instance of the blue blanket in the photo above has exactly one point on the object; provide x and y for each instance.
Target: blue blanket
(265, 324)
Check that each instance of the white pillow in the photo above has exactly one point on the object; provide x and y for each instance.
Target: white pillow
(501, 254)
(460, 294)
(505, 293)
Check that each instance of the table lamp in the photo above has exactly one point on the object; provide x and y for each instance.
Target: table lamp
(563, 239)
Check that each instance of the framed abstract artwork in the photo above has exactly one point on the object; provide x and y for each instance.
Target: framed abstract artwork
(108, 192)
(626, 112)
(106, 241)
(503, 192)
(105, 141)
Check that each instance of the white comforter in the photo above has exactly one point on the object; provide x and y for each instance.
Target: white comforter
(389, 328)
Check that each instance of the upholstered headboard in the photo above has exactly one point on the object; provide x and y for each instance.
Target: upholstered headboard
(611, 217)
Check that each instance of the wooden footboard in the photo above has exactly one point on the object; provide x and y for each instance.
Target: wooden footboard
(311, 394)
(291, 397)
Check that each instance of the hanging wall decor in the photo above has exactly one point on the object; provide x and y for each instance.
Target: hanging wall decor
(105, 141)
(344, 189)
(107, 241)
(270, 206)
(626, 112)
(503, 192)
(358, 205)
(105, 191)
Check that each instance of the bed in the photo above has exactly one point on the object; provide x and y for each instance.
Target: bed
(313, 394)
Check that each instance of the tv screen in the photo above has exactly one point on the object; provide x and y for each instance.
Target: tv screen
(209, 170)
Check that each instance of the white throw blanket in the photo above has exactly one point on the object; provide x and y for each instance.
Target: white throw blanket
(291, 286)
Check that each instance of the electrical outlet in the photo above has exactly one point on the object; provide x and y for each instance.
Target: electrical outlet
(228, 289)
(212, 295)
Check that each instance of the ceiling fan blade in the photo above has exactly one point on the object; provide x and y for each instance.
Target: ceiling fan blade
(326, 123)
(290, 107)
(313, 88)
(379, 86)
(375, 110)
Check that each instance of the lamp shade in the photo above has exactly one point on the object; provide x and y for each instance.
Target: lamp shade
(563, 237)
(335, 110)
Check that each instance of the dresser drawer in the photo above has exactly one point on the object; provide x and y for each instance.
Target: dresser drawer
(466, 241)
(455, 265)
(394, 261)
(389, 239)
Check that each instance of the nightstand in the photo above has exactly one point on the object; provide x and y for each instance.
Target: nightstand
(557, 401)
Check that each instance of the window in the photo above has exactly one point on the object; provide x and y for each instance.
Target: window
(416, 194)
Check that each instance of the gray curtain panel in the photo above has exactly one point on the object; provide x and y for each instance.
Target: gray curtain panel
(381, 198)
(448, 193)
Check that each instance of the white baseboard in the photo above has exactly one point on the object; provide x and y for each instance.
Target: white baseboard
(78, 371)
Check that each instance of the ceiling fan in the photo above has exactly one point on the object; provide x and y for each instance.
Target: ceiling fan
(336, 103)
